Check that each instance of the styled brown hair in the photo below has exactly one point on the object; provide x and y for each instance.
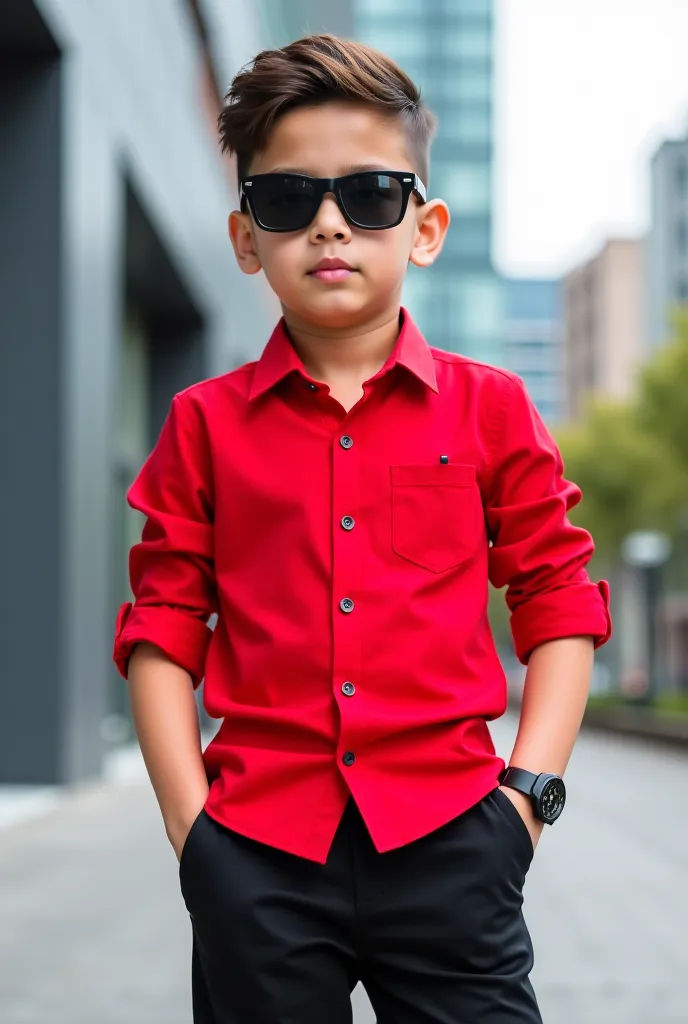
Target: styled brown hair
(312, 71)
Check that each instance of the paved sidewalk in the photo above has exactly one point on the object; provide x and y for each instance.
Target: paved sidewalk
(93, 929)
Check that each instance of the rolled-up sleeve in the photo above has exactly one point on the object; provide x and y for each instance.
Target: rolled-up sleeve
(536, 552)
(172, 568)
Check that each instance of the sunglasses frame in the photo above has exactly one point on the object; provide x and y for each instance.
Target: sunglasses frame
(410, 185)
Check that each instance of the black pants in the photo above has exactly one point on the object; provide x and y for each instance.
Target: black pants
(434, 930)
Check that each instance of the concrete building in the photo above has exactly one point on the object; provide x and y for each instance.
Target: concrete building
(117, 288)
(533, 341)
(667, 240)
(603, 325)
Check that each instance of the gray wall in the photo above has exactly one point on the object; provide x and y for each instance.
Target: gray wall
(107, 111)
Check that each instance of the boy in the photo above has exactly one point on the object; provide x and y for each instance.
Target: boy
(340, 504)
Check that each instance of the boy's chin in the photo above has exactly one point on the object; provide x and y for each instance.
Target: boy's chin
(336, 311)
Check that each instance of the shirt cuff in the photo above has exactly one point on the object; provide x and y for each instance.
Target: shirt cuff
(581, 609)
(183, 638)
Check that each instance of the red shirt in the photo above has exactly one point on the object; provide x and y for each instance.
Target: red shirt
(348, 565)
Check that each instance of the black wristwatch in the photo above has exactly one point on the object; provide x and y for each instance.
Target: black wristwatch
(547, 792)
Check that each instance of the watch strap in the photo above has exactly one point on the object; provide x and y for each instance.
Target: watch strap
(520, 779)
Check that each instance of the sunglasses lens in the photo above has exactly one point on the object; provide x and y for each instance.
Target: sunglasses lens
(372, 199)
(283, 202)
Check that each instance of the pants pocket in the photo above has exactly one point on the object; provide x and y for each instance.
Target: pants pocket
(189, 842)
(515, 822)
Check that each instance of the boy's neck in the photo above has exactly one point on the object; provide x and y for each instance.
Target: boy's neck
(345, 355)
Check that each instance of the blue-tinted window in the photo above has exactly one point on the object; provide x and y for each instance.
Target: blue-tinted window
(465, 41)
(469, 238)
(533, 299)
(476, 305)
(473, 6)
(466, 81)
(467, 123)
(398, 39)
(466, 188)
(363, 9)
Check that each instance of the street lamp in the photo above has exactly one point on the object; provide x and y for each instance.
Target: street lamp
(648, 551)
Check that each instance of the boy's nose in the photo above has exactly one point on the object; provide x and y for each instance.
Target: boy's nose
(329, 221)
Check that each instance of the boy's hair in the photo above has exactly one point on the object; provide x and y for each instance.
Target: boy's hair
(315, 70)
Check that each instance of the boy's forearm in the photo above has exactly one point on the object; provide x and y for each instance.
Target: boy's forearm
(166, 720)
(554, 698)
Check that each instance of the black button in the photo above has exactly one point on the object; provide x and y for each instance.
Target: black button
(313, 387)
(346, 441)
(348, 522)
(348, 757)
(348, 689)
(346, 604)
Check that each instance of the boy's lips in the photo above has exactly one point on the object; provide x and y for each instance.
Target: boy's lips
(331, 269)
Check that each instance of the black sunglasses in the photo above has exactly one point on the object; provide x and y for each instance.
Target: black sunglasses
(373, 200)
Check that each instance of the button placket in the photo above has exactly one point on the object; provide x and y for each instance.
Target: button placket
(347, 538)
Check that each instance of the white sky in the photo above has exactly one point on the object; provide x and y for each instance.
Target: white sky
(585, 91)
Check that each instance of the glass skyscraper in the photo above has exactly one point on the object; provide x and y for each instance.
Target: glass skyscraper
(533, 340)
(447, 48)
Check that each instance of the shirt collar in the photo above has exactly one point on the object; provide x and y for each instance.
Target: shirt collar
(280, 358)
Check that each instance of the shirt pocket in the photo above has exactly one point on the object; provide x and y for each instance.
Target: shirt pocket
(437, 514)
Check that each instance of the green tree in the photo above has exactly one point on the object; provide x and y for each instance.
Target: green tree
(629, 478)
(662, 409)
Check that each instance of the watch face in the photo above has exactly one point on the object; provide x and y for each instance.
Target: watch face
(552, 799)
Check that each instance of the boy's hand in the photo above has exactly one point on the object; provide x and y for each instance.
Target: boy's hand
(524, 807)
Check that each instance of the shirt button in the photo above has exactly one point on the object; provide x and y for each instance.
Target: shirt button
(346, 441)
(313, 387)
(346, 604)
(348, 689)
(348, 757)
(348, 522)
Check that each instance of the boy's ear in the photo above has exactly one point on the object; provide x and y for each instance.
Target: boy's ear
(243, 242)
(432, 223)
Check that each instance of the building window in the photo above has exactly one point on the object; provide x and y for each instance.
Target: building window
(682, 237)
(466, 188)
(478, 307)
(466, 42)
(364, 9)
(467, 123)
(469, 239)
(415, 291)
(682, 289)
(682, 177)
(475, 7)
(467, 82)
(401, 41)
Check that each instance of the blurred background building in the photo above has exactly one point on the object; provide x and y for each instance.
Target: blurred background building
(603, 342)
(533, 341)
(447, 48)
(117, 288)
(667, 241)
